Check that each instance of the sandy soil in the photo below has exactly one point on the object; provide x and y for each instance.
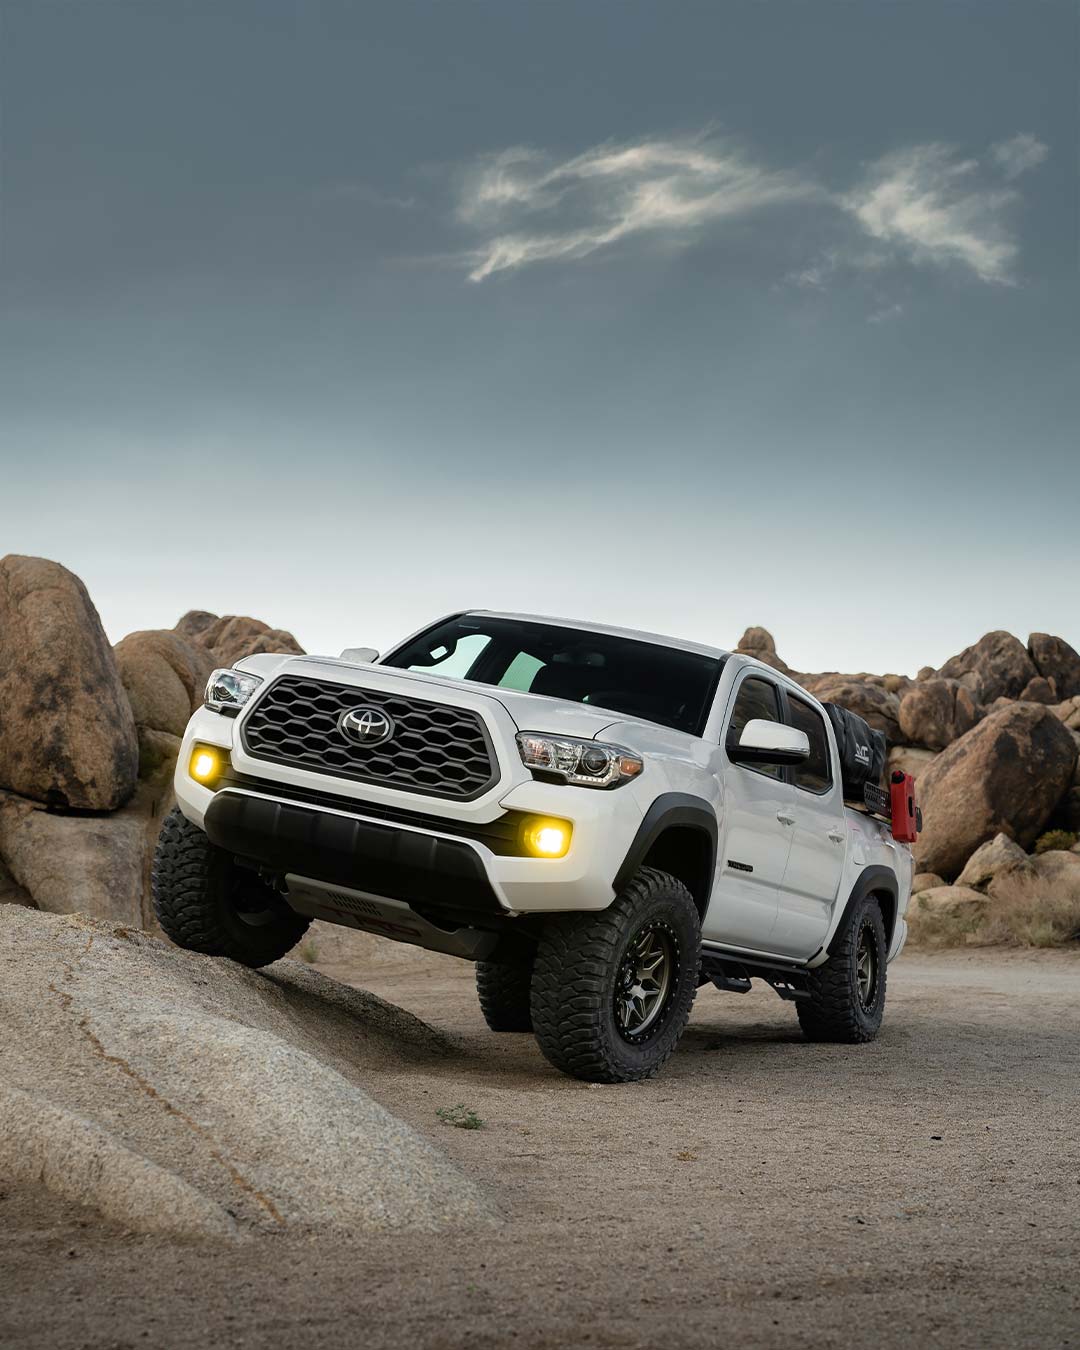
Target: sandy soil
(922, 1190)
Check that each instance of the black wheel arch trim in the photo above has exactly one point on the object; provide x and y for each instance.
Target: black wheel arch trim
(670, 809)
(879, 879)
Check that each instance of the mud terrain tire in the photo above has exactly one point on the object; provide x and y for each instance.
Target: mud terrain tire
(206, 903)
(589, 1017)
(847, 993)
(504, 995)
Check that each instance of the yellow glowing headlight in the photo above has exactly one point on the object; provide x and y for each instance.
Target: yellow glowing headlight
(548, 838)
(206, 764)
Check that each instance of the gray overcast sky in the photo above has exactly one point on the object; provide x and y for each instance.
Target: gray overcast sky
(680, 316)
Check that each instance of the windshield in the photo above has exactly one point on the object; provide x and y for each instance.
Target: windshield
(618, 674)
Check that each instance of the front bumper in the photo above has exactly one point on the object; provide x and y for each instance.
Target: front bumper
(461, 862)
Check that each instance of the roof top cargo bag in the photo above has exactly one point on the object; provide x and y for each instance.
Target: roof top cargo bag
(862, 751)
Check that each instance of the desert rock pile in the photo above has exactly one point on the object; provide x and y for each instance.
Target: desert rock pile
(992, 738)
(175, 1093)
(89, 736)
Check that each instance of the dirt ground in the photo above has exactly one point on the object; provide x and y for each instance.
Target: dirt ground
(923, 1190)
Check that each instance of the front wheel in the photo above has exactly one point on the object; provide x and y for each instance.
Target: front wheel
(208, 904)
(847, 993)
(612, 991)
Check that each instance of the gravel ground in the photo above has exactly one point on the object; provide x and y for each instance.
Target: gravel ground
(924, 1190)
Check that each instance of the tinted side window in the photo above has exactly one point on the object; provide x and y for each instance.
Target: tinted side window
(814, 775)
(756, 699)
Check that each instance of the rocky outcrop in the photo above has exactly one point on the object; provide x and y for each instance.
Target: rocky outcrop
(92, 733)
(997, 666)
(936, 712)
(952, 902)
(925, 881)
(758, 643)
(1005, 776)
(67, 733)
(194, 623)
(215, 1103)
(989, 859)
(235, 636)
(165, 676)
(1056, 662)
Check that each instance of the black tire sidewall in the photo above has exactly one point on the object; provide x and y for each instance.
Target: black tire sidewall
(868, 915)
(642, 1056)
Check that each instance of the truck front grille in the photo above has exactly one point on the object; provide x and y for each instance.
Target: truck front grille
(435, 749)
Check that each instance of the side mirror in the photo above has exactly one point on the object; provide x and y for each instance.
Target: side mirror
(360, 656)
(765, 742)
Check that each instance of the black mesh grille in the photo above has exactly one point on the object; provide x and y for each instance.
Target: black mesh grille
(435, 749)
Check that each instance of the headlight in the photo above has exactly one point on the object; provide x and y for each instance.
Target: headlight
(228, 690)
(584, 763)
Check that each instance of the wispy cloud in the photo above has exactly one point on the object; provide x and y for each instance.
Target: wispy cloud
(933, 205)
(1019, 154)
(924, 205)
(535, 209)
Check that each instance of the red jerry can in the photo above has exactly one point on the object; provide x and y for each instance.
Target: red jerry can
(904, 811)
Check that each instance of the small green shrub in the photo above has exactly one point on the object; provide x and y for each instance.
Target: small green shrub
(460, 1117)
(308, 951)
(1055, 839)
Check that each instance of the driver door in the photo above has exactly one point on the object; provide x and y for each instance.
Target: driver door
(756, 830)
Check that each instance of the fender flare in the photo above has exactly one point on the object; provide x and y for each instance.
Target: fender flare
(671, 808)
(870, 879)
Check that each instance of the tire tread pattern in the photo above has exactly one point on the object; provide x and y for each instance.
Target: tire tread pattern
(570, 977)
(189, 879)
(832, 1012)
(504, 995)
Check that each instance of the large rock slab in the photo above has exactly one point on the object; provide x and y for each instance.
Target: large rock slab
(183, 1094)
(67, 733)
(934, 713)
(951, 902)
(165, 676)
(997, 666)
(991, 858)
(1055, 660)
(1004, 777)
(94, 864)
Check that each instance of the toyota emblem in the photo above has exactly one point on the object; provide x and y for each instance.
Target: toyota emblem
(366, 726)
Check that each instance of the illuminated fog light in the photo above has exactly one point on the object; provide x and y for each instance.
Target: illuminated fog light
(205, 764)
(548, 838)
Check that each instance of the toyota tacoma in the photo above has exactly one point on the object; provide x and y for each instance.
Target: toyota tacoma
(602, 820)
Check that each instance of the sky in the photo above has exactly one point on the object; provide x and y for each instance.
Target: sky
(676, 316)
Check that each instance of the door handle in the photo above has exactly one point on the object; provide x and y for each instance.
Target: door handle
(837, 836)
(785, 817)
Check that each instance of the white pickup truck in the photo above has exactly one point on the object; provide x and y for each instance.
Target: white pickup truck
(602, 820)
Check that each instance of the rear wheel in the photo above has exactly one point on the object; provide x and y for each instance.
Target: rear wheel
(847, 993)
(504, 995)
(205, 902)
(612, 991)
